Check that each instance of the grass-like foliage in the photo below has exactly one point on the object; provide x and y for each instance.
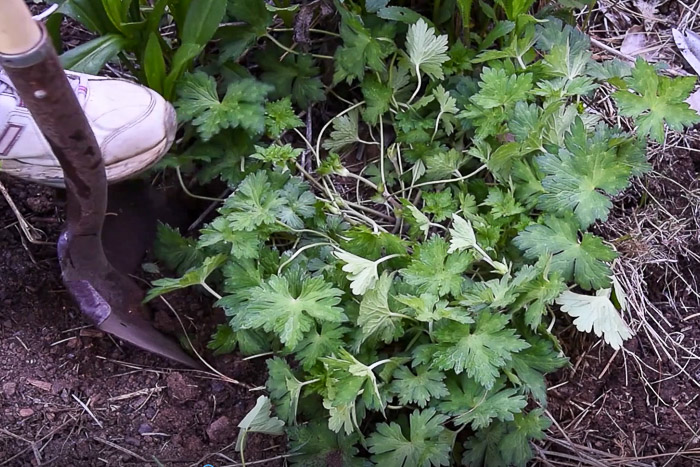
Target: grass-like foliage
(405, 257)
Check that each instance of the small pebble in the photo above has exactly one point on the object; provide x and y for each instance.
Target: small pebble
(219, 429)
(182, 388)
(145, 428)
(9, 389)
(133, 441)
(217, 386)
(26, 412)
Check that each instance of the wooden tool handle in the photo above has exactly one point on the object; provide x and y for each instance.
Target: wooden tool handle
(18, 31)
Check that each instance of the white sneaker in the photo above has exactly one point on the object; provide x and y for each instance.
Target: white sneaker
(134, 127)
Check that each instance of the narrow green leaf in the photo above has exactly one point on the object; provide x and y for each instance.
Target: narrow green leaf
(91, 57)
(202, 21)
(156, 15)
(400, 14)
(465, 11)
(115, 12)
(182, 59)
(154, 64)
(89, 13)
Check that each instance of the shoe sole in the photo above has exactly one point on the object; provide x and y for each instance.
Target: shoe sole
(117, 172)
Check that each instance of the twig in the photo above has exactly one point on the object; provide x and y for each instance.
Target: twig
(120, 448)
(214, 370)
(208, 210)
(29, 230)
(87, 409)
(140, 392)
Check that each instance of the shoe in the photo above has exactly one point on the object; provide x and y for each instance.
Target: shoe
(133, 125)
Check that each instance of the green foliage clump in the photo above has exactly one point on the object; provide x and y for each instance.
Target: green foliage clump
(403, 258)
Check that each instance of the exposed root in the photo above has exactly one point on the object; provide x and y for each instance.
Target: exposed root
(31, 233)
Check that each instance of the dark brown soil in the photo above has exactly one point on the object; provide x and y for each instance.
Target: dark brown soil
(140, 409)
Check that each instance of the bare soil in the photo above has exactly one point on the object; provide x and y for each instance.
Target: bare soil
(72, 396)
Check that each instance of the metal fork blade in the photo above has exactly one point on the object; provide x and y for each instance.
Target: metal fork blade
(140, 333)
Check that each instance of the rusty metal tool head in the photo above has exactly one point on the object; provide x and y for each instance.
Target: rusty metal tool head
(109, 298)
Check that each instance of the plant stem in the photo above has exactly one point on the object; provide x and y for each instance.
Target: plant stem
(420, 83)
(292, 51)
(380, 362)
(298, 252)
(387, 258)
(362, 179)
(586, 22)
(450, 180)
(381, 154)
(329, 122)
(210, 290)
(128, 63)
(437, 125)
(436, 10)
(320, 234)
(308, 144)
(386, 217)
(253, 357)
(318, 31)
(189, 193)
(243, 436)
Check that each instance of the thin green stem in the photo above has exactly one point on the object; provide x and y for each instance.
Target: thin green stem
(420, 83)
(381, 154)
(292, 51)
(308, 144)
(386, 217)
(587, 21)
(260, 355)
(380, 362)
(299, 251)
(387, 258)
(364, 219)
(243, 439)
(214, 293)
(437, 125)
(323, 185)
(440, 226)
(308, 176)
(317, 31)
(449, 180)
(329, 122)
(399, 163)
(320, 234)
(311, 381)
(189, 193)
(128, 63)
(362, 179)
(436, 10)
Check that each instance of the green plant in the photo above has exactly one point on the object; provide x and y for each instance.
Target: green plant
(134, 28)
(409, 299)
